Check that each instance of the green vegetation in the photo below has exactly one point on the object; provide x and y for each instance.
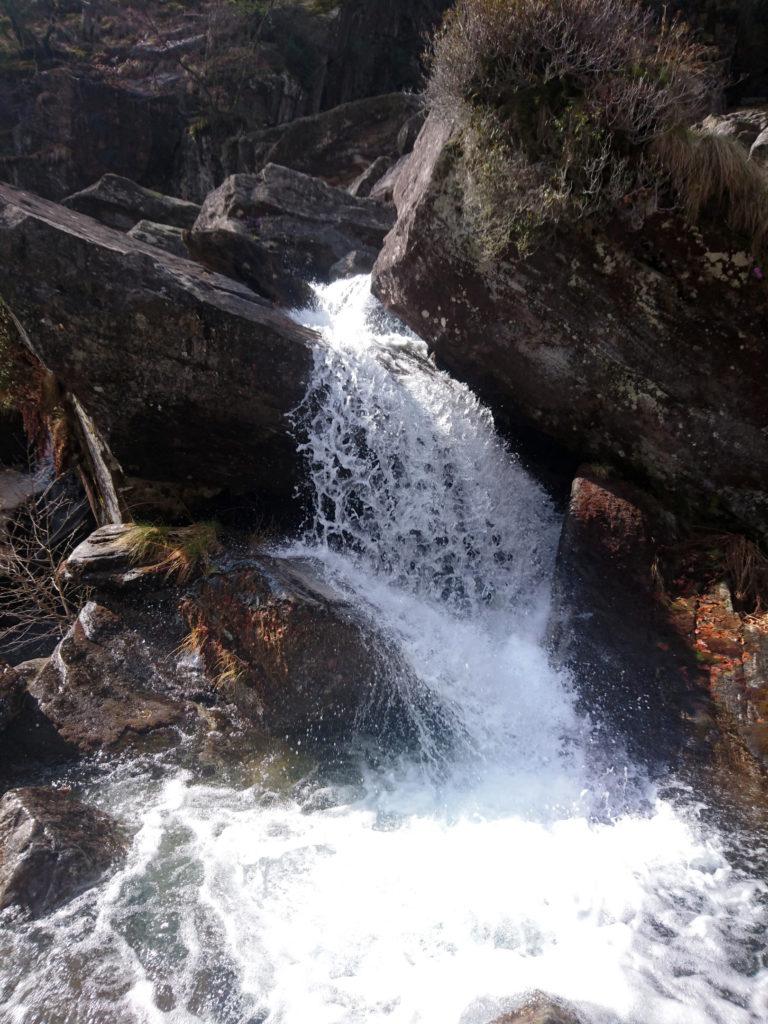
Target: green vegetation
(177, 551)
(568, 109)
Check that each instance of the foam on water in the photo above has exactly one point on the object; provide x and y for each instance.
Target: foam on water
(436, 887)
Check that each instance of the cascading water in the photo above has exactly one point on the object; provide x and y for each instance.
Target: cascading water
(431, 886)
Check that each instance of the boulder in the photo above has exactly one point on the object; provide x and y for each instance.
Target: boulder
(359, 261)
(295, 656)
(256, 646)
(609, 626)
(336, 145)
(540, 1009)
(183, 378)
(11, 696)
(52, 847)
(163, 236)
(121, 203)
(111, 685)
(282, 218)
(749, 127)
(384, 189)
(103, 560)
(363, 184)
(640, 348)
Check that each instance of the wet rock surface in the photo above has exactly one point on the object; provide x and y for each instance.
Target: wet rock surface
(634, 674)
(258, 646)
(625, 346)
(110, 686)
(292, 654)
(120, 203)
(52, 847)
(185, 376)
(727, 632)
(539, 1009)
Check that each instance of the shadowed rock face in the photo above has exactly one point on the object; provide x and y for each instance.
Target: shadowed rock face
(379, 46)
(186, 376)
(336, 145)
(609, 627)
(121, 203)
(52, 847)
(642, 348)
(280, 228)
(65, 128)
(11, 697)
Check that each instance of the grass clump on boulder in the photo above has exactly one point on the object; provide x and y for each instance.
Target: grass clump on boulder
(177, 551)
(568, 109)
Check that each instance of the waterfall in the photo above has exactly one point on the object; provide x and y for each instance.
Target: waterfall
(434, 885)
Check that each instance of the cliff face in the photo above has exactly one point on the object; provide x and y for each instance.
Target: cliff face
(378, 47)
(637, 345)
(162, 94)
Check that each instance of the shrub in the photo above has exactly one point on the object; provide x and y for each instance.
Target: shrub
(36, 601)
(572, 108)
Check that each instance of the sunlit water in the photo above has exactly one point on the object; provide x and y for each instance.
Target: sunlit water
(437, 885)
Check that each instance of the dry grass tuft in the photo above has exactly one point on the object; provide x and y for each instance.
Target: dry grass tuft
(179, 552)
(710, 171)
(225, 667)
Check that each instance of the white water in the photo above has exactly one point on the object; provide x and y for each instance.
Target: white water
(435, 887)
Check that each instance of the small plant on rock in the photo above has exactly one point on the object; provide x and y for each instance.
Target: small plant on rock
(177, 551)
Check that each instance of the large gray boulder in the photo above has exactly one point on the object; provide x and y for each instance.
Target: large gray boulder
(52, 847)
(121, 203)
(273, 228)
(642, 348)
(183, 377)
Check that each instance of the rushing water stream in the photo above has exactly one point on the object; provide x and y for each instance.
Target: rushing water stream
(435, 886)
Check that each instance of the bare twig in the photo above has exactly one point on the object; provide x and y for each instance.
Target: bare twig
(35, 601)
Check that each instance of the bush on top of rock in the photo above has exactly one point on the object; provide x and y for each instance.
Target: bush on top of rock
(574, 109)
